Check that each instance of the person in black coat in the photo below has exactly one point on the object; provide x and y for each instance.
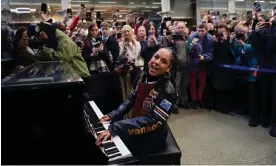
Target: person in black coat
(110, 43)
(222, 78)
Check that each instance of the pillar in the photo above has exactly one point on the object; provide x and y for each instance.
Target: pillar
(198, 11)
(231, 8)
(166, 5)
(65, 4)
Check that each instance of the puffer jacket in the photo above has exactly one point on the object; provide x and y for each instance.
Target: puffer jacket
(163, 100)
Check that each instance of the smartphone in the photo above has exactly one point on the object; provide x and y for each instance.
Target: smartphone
(44, 8)
(168, 33)
(177, 37)
(150, 33)
(208, 12)
(257, 6)
(69, 13)
(82, 6)
(78, 43)
(119, 35)
(219, 35)
(88, 16)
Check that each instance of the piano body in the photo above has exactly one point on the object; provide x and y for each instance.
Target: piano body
(46, 120)
(42, 117)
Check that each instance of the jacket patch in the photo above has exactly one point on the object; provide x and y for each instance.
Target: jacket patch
(144, 130)
(166, 105)
(147, 104)
(153, 94)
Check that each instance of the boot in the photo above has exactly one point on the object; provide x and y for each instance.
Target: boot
(201, 105)
(184, 105)
(273, 131)
(254, 122)
(175, 110)
(193, 105)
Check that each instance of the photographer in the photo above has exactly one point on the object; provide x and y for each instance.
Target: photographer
(182, 64)
(222, 78)
(205, 55)
(152, 43)
(264, 40)
(129, 63)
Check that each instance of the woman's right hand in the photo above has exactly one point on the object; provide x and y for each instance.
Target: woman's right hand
(119, 68)
(105, 118)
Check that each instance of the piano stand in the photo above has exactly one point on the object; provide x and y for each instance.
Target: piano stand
(171, 155)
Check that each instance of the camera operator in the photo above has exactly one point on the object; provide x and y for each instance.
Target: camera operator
(56, 46)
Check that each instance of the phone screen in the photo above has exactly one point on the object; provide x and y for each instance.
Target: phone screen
(69, 12)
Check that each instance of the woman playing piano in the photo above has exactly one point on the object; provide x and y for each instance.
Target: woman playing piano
(152, 99)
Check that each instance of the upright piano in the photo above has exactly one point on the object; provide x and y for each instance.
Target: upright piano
(47, 120)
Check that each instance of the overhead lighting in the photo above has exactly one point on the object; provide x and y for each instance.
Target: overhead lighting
(144, 3)
(79, 1)
(22, 10)
(156, 3)
(132, 3)
(100, 10)
(261, 1)
(272, 1)
(106, 2)
(145, 10)
(125, 10)
(239, 0)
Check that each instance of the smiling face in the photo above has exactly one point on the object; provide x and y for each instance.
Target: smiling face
(160, 63)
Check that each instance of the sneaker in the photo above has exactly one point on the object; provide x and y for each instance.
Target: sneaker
(184, 105)
(201, 105)
(253, 122)
(193, 105)
(265, 122)
(273, 131)
(175, 111)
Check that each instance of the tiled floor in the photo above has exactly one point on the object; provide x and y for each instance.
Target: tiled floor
(215, 138)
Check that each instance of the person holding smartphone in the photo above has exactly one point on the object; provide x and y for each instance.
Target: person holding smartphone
(151, 44)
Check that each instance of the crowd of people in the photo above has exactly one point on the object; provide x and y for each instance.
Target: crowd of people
(226, 66)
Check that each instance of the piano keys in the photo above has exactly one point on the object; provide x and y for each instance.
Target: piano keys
(115, 149)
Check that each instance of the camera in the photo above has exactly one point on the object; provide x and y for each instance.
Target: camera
(240, 36)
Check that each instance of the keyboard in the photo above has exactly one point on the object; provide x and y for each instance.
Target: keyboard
(114, 149)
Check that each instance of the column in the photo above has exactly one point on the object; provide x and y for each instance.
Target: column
(198, 11)
(231, 8)
(65, 4)
(166, 5)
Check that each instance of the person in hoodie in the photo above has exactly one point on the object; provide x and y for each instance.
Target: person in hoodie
(204, 55)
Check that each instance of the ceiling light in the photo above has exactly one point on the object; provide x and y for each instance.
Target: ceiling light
(79, 1)
(272, 1)
(106, 2)
(156, 3)
(132, 3)
(261, 1)
(22, 10)
(144, 3)
(239, 0)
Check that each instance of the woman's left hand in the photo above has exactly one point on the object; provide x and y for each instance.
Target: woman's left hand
(103, 137)
(153, 39)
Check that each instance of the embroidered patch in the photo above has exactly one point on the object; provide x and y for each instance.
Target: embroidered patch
(153, 94)
(166, 105)
(37, 29)
(147, 104)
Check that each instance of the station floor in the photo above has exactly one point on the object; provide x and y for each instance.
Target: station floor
(214, 138)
